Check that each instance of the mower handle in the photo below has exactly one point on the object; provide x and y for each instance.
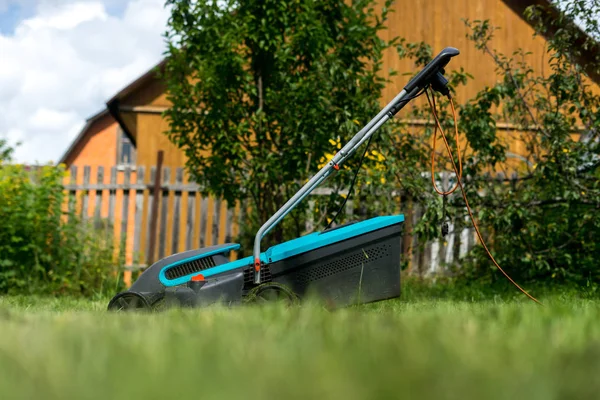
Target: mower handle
(432, 75)
(435, 66)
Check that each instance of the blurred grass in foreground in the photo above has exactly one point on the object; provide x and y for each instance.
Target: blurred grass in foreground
(427, 345)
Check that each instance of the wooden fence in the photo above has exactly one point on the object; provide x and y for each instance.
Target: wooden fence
(182, 219)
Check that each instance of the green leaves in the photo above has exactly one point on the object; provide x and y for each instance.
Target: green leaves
(540, 222)
(5, 151)
(44, 250)
(260, 87)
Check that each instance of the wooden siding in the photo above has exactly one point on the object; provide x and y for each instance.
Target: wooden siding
(98, 146)
(152, 128)
(437, 22)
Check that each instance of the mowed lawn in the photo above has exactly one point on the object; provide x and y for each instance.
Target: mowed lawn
(411, 349)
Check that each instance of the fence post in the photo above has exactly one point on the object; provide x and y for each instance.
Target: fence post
(154, 213)
(164, 210)
(309, 224)
(407, 235)
(112, 196)
(442, 241)
(191, 217)
(86, 192)
(139, 207)
(125, 210)
(203, 221)
(216, 221)
(229, 222)
(73, 193)
(99, 194)
(178, 193)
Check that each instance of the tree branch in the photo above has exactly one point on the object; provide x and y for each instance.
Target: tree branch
(508, 72)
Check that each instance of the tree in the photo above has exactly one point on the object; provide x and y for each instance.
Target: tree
(260, 87)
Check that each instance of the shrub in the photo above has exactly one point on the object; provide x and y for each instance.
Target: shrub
(43, 247)
(542, 225)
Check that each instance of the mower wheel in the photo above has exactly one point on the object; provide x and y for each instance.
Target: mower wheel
(129, 301)
(272, 292)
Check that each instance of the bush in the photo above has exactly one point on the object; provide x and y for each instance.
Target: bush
(542, 225)
(44, 248)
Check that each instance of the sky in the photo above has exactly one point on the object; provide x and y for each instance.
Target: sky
(61, 60)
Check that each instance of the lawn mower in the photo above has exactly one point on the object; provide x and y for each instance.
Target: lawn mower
(357, 262)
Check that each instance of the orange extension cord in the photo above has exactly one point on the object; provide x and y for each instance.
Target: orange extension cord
(458, 171)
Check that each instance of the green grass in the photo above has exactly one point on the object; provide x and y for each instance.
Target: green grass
(500, 348)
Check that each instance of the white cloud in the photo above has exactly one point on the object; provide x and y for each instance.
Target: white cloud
(62, 64)
(67, 17)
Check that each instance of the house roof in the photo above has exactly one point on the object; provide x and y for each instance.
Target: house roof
(113, 104)
(112, 110)
(82, 134)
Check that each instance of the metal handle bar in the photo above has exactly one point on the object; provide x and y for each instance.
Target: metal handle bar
(420, 81)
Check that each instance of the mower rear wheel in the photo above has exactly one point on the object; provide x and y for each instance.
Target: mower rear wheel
(272, 292)
(129, 301)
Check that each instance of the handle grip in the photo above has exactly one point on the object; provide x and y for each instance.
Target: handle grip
(435, 66)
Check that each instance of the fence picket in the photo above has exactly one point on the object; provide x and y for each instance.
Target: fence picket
(203, 221)
(125, 209)
(73, 192)
(427, 259)
(229, 223)
(466, 238)
(416, 251)
(139, 209)
(241, 216)
(189, 219)
(150, 257)
(164, 208)
(99, 194)
(177, 210)
(86, 195)
(112, 196)
(448, 253)
(407, 233)
(441, 243)
(216, 219)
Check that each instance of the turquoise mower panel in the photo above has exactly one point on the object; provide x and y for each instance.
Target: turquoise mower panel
(281, 251)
